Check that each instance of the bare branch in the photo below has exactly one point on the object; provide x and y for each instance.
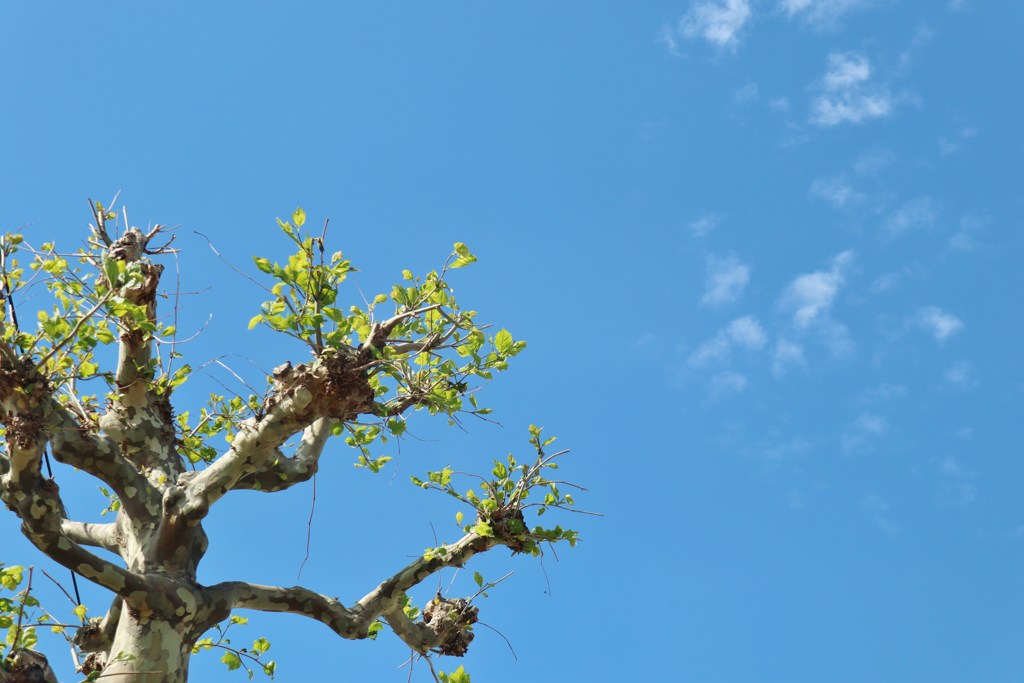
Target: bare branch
(86, 533)
(282, 472)
(38, 503)
(383, 601)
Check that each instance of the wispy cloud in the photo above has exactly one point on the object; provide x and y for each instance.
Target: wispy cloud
(869, 423)
(703, 226)
(667, 37)
(727, 384)
(847, 95)
(883, 392)
(961, 374)
(719, 22)
(956, 488)
(726, 280)
(788, 450)
(972, 224)
(866, 427)
(836, 190)
(787, 355)
(745, 333)
(940, 324)
(877, 510)
(823, 14)
(950, 145)
(715, 349)
(748, 93)
(920, 212)
(873, 160)
(809, 297)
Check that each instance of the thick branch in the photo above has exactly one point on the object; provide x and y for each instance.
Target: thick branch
(332, 387)
(383, 601)
(281, 472)
(95, 535)
(100, 456)
(251, 451)
(38, 503)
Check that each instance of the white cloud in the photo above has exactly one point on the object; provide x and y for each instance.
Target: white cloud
(779, 104)
(919, 212)
(961, 374)
(703, 226)
(789, 450)
(867, 426)
(951, 466)
(718, 22)
(940, 324)
(885, 282)
(873, 160)
(958, 493)
(667, 37)
(820, 13)
(949, 146)
(836, 191)
(835, 337)
(747, 93)
(971, 224)
(715, 349)
(726, 280)
(745, 332)
(726, 384)
(957, 489)
(869, 423)
(809, 297)
(847, 96)
(787, 354)
(884, 392)
(846, 70)
(877, 510)
(957, 5)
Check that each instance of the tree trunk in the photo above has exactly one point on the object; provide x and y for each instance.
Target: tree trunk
(149, 650)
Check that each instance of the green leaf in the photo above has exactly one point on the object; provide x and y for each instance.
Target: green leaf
(255, 320)
(478, 577)
(232, 660)
(483, 528)
(299, 217)
(465, 257)
(80, 611)
(503, 342)
(260, 645)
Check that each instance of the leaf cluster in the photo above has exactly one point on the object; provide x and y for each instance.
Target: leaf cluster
(504, 496)
(245, 658)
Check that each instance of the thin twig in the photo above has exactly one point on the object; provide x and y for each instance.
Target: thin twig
(232, 267)
(512, 649)
(62, 590)
(309, 529)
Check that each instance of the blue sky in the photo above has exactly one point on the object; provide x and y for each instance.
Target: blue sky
(764, 252)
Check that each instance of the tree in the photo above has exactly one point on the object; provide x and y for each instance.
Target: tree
(163, 472)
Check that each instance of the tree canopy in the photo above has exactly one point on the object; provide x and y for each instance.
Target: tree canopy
(91, 379)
